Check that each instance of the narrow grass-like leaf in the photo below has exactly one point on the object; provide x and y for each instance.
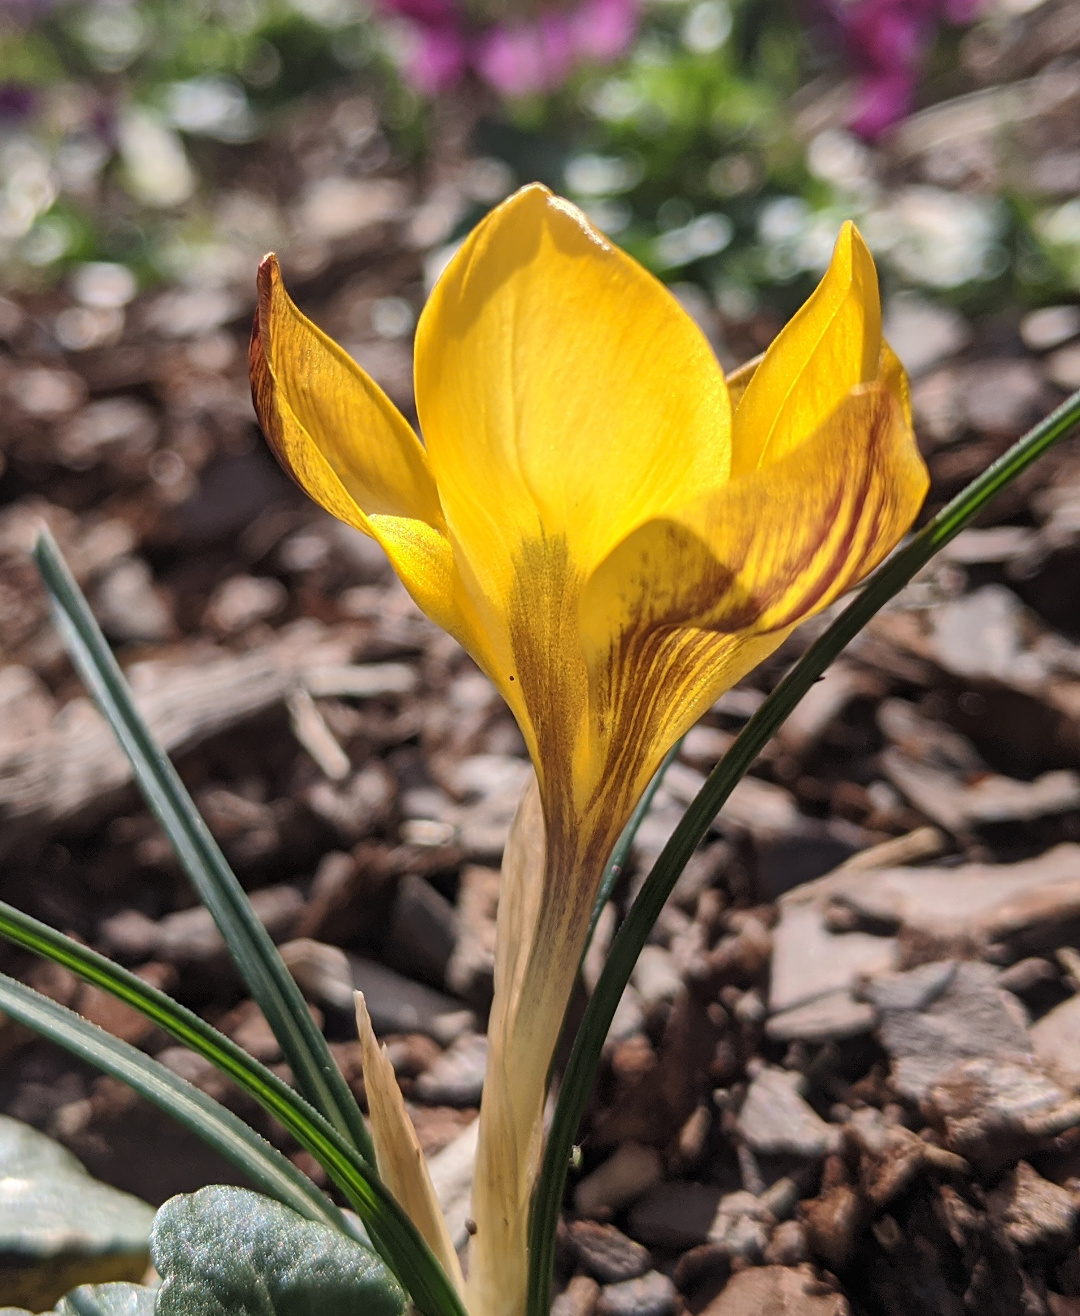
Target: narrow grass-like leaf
(390, 1229)
(887, 581)
(273, 1174)
(250, 945)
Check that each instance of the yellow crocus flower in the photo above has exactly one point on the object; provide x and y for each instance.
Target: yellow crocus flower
(613, 531)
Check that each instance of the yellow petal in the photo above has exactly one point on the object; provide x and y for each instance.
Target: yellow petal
(333, 429)
(739, 379)
(893, 375)
(563, 393)
(686, 606)
(349, 448)
(829, 346)
(401, 1162)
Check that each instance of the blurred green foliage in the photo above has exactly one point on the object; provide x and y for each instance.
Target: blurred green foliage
(122, 120)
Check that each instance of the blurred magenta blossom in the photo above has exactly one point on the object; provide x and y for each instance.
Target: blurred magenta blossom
(888, 41)
(517, 56)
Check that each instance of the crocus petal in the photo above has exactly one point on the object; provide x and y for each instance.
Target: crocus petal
(893, 375)
(401, 1162)
(349, 448)
(563, 393)
(739, 379)
(831, 344)
(686, 606)
(314, 399)
(526, 1016)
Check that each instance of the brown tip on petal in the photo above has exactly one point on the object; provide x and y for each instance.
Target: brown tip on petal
(263, 389)
(269, 275)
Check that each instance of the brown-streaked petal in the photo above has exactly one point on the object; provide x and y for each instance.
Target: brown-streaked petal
(683, 608)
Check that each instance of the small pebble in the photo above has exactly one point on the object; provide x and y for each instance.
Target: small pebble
(630, 1171)
(1034, 1213)
(650, 1295)
(606, 1253)
(1050, 327)
(241, 600)
(579, 1298)
(457, 1076)
(788, 1246)
(1064, 367)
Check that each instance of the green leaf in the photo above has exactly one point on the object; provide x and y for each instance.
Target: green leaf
(230, 1252)
(250, 945)
(59, 1226)
(391, 1230)
(580, 1073)
(219, 1127)
(116, 1299)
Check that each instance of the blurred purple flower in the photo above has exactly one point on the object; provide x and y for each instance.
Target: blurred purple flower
(518, 56)
(888, 41)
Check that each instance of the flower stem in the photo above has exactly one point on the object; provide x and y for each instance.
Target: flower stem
(617, 862)
(585, 1057)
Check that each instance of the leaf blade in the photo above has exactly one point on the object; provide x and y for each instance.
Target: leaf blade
(225, 1132)
(250, 945)
(392, 1232)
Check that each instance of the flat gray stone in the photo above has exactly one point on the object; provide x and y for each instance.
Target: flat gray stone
(190, 936)
(396, 1003)
(423, 929)
(656, 977)
(1055, 1039)
(938, 1016)
(987, 901)
(775, 1120)
(630, 1171)
(678, 1214)
(809, 961)
(921, 332)
(984, 1105)
(916, 989)
(956, 805)
(470, 973)
(741, 1226)
(830, 1018)
(981, 634)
